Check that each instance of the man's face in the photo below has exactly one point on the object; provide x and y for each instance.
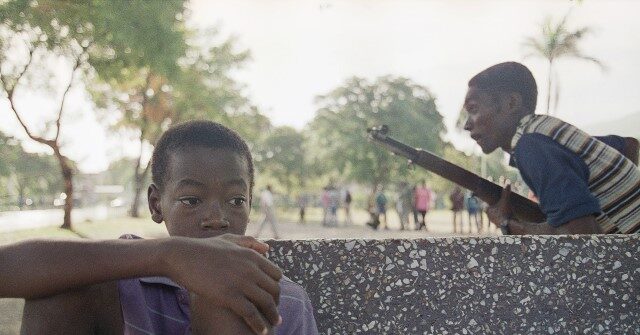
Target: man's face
(206, 193)
(486, 121)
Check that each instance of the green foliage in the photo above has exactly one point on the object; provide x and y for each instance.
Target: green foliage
(146, 101)
(116, 34)
(338, 137)
(282, 155)
(26, 175)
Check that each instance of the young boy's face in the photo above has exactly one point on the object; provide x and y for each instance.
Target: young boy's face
(206, 193)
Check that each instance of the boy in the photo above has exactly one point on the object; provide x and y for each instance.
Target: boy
(39, 268)
(202, 180)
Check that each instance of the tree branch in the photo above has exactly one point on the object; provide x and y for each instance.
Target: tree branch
(11, 98)
(11, 90)
(76, 66)
(64, 97)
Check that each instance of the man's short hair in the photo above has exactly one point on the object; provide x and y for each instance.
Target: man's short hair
(509, 77)
(196, 134)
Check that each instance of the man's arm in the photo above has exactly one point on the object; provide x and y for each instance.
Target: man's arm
(500, 214)
(234, 278)
(582, 225)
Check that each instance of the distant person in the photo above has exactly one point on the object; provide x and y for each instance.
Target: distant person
(202, 176)
(302, 205)
(334, 202)
(414, 210)
(422, 202)
(584, 185)
(474, 211)
(457, 205)
(268, 209)
(381, 206)
(404, 204)
(324, 200)
(347, 208)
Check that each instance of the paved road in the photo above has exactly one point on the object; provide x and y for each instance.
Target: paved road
(439, 224)
(29, 219)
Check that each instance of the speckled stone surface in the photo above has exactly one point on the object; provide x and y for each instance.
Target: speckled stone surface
(500, 285)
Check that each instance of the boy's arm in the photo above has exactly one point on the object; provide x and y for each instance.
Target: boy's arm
(207, 319)
(222, 269)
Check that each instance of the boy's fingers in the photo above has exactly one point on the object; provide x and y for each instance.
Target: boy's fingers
(267, 266)
(250, 315)
(265, 303)
(269, 285)
(248, 242)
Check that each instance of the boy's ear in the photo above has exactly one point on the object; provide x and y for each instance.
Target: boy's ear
(153, 195)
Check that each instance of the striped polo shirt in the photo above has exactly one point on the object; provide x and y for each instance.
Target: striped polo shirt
(613, 179)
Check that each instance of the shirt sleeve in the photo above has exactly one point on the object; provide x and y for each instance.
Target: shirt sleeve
(296, 310)
(558, 177)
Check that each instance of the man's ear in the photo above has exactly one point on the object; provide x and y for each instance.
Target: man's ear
(513, 102)
(153, 198)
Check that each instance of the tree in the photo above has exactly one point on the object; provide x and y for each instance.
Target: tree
(338, 138)
(92, 36)
(557, 41)
(26, 175)
(148, 101)
(282, 155)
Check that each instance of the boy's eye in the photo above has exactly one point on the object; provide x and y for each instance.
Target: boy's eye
(190, 201)
(237, 202)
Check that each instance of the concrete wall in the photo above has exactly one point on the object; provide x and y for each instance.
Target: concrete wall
(502, 285)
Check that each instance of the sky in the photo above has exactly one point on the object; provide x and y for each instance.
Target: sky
(301, 49)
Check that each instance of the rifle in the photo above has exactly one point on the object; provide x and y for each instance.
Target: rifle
(489, 192)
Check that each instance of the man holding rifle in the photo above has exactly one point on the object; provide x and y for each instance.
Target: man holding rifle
(584, 185)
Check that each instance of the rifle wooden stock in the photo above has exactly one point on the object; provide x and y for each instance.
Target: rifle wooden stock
(523, 208)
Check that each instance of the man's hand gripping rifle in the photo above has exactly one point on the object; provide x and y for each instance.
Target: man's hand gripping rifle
(523, 208)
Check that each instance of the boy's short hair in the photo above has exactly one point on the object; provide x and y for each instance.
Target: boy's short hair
(199, 133)
(509, 77)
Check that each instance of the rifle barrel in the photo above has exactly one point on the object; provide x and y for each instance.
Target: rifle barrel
(489, 192)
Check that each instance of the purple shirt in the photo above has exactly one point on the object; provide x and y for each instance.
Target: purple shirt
(157, 305)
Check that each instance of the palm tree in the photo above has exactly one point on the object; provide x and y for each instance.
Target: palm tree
(557, 41)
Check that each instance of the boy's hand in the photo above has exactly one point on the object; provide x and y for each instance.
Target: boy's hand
(229, 272)
(247, 242)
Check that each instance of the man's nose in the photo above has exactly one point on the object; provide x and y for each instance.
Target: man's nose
(215, 218)
(467, 124)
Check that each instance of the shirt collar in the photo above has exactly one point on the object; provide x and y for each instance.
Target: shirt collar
(159, 280)
(522, 124)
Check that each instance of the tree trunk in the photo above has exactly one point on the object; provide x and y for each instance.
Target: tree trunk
(549, 86)
(67, 174)
(140, 177)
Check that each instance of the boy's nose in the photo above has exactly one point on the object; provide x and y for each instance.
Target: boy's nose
(215, 219)
(215, 224)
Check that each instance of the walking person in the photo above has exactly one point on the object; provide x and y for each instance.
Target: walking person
(302, 205)
(404, 204)
(267, 207)
(334, 202)
(422, 199)
(347, 208)
(473, 210)
(457, 205)
(381, 206)
(324, 199)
